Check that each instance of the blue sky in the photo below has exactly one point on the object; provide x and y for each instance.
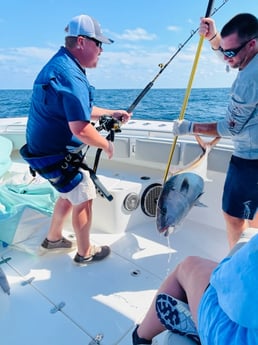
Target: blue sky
(146, 33)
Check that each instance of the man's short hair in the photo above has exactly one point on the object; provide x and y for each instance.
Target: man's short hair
(244, 24)
(70, 41)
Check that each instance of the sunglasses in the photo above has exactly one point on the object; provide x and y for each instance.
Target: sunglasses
(98, 43)
(230, 53)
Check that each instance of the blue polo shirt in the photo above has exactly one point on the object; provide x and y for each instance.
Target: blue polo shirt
(61, 93)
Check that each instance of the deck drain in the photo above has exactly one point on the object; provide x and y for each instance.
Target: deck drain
(135, 273)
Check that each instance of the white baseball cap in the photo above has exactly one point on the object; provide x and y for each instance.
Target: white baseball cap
(84, 25)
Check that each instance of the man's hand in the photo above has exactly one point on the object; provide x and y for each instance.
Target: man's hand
(207, 28)
(182, 127)
(119, 114)
(122, 115)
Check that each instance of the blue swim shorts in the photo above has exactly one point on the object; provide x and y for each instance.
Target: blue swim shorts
(240, 196)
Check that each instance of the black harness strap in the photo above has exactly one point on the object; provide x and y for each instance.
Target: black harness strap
(64, 173)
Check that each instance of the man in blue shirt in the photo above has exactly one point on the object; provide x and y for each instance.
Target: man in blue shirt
(60, 118)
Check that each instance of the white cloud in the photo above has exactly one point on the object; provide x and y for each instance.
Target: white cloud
(120, 69)
(27, 52)
(23, 64)
(137, 34)
(173, 28)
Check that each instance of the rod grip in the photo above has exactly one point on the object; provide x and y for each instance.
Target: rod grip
(209, 8)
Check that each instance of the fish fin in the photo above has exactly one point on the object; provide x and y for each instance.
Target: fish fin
(199, 204)
(184, 186)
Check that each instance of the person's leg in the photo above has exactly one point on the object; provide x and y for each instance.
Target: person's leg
(244, 238)
(186, 283)
(176, 316)
(82, 218)
(55, 242)
(79, 200)
(235, 227)
(61, 212)
(240, 198)
(194, 276)
(254, 222)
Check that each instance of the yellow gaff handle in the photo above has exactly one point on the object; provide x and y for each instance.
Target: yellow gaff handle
(182, 113)
(197, 55)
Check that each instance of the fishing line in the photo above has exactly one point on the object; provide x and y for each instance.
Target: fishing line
(188, 90)
(163, 67)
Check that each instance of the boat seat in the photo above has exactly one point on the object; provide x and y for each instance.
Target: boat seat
(25, 210)
(6, 147)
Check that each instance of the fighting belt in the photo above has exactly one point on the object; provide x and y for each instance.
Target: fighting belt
(62, 170)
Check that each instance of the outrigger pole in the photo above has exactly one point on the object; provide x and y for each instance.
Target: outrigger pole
(188, 90)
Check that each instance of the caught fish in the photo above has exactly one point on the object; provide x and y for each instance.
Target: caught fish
(182, 191)
(178, 196)
(4, 282)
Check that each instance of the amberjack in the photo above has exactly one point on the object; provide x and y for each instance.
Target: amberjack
(182, 191)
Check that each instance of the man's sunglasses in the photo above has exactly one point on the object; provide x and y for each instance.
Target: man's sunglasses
(98, 43)
(230, 53)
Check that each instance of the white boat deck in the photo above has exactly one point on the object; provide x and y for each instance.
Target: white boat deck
(52, 301)
(104, 299)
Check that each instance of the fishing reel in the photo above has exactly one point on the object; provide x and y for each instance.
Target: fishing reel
(108, 123)
(111, 125)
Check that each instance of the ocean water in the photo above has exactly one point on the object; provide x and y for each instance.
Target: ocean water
(203, 105)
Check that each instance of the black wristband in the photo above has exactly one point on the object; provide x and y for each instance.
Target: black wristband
(213, 37)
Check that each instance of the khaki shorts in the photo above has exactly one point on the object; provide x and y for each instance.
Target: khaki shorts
(84, 191)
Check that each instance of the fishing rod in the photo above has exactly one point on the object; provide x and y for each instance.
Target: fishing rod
(113, 127)
(151, 83)
(163, 67)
